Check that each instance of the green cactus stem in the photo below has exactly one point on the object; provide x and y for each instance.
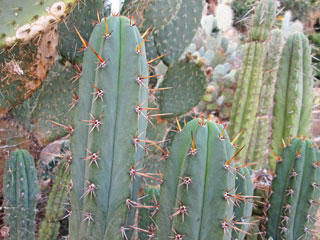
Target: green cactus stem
(295, 198)
(191, 206)
(109, 132)
(58, 198)
(20, 189)
(293, 95)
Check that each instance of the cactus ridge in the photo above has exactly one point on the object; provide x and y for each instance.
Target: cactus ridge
(103, 151)
(190, 206)
(294, 202)
(293, 96)
(20, 189)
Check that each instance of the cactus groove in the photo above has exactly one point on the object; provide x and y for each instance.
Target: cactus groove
(109, 131)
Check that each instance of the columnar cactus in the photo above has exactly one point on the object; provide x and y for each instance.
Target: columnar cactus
(58, 198)
(293, 96)
(246, 99)
(259, 142)
(197, 195)
(295, 198)
(109, 131)
(20, 189)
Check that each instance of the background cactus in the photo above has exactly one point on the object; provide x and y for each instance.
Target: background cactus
(58, 198)
(259, 142)
(23, 20)
(246, 99)
(294, 201)
(293, 95)
(200, 155)
(112, 127)
(20, 191)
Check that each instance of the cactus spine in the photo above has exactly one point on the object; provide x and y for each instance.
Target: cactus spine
(246, 99)
(191, 206)
(110, 126)
(294, 201)
(293, 97)
(20, 189)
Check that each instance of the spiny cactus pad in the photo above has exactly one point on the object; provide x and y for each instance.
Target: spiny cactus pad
(293, 95)
(175, 36)
(109, 132)
(20, 189)
(22, 20)
(186, 82)
(295, 198)
(198, 178)
(84, 16)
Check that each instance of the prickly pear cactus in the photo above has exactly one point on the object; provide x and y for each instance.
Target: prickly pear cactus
(246, 98)
(20, 189)
(110, 127)
(58, 198)
(293, 96)
(83, 17)
(23, 20)
(295, 198)
(186, 82)
(191, 206)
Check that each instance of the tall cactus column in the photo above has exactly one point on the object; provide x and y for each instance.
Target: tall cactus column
(20, 189)
(110, 125)
(246, 99)
(196, 198)
(295, 198)
(293, 97)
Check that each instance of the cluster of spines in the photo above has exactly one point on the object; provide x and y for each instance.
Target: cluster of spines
(183, 188)
(295, 198)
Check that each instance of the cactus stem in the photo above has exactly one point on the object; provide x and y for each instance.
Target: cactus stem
(96, 123)
(235, 139)
(90, 190)
(182, 209)
(69, 128)
(155, 59)
(87, 217)
(93, 157)
(99, 93)
(75, 101)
